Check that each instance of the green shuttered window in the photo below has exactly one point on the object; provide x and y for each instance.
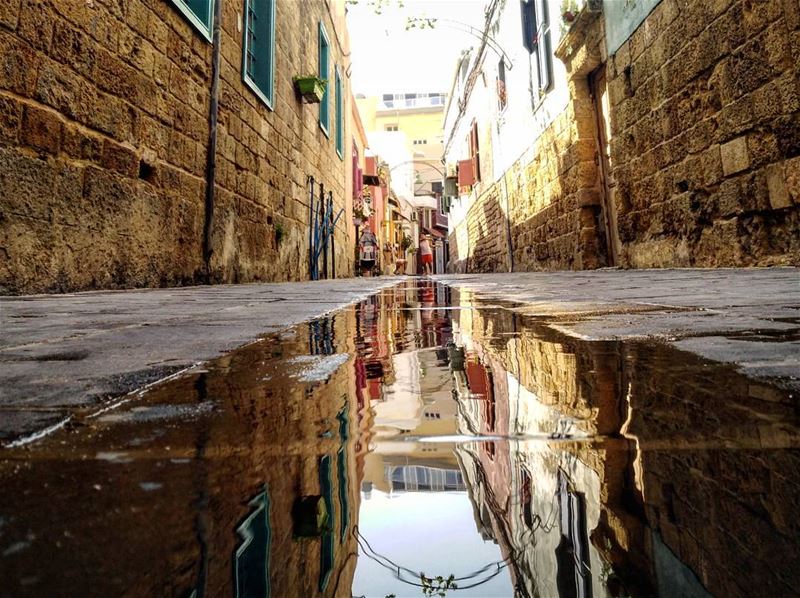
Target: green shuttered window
(339, 116)
(259, 49)
(199, 13)
(325, 74)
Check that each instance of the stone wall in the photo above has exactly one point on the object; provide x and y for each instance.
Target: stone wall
(104, 127)
(704, 111)
(550, 195)
(706, 147)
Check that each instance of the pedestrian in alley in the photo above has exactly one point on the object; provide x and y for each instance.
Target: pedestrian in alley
(367, 251)
(426, 254)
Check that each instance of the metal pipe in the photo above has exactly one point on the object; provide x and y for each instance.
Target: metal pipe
(311, 227)
(326, 224)
(319, 217)
(211, 156)
(333, 243)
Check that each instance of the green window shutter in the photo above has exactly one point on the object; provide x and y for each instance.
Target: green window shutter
(327, 544)
(325, 74)
(199, 13)
(339, 116)
(251, 559)
(259, 48)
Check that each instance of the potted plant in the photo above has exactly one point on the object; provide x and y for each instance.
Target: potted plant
(358, 215)
(405, 243)
(311, 88)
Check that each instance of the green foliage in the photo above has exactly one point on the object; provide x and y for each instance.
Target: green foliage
(377, 5)
(278, 232)
(437, 586)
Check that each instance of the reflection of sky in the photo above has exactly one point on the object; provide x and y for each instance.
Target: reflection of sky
(425, 531)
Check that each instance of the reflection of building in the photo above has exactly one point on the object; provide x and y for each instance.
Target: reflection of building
(415, 398)
(623, 481)
(209, 508)
(423, 478)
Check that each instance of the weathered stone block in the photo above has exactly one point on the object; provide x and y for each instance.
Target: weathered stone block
(41, 129)
(787, 134)
(112, 116)
(61, 88)
(19, 64)
(73, 48)
(791, 12)
(10, 118)
(119, 158)
(137, 51)
(9, 13)
(734, 156)
(762, 147)
(792, 180)
(776, 184)
(36, 24)
(81, 144)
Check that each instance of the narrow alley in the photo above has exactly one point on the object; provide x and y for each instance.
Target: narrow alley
(399, 298)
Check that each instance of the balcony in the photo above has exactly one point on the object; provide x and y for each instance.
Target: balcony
(402, 101)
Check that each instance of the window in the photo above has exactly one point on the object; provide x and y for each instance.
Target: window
(324, 74)
(339, 115)
(501, 85)
(420, 142)
(200, 13)
(341, 466)
(251, 560)
(536, 38)
(464, 69)
(327, 544)
(390, 128)
(474, 151)
(259, 48)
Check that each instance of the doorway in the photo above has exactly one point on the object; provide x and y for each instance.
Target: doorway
(599, 90)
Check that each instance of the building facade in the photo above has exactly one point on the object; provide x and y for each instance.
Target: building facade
(652, 133)
(161, 142)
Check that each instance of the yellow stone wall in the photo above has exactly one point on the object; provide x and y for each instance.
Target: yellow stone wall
(104, 130)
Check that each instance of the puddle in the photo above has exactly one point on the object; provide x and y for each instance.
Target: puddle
(419, 442)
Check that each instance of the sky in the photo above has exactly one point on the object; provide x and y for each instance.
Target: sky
(386, 58)
(431, 532)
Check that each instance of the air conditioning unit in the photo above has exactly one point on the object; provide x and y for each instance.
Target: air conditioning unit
(414, 217)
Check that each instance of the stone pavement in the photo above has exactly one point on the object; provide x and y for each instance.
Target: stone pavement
(62, 354)
(749, 317)
(67, 354)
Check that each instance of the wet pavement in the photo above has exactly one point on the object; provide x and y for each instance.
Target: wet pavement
(421, 434)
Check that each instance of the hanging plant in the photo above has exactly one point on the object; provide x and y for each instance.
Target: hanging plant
(310, 88)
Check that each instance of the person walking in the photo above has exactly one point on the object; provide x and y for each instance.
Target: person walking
(367, 251)
(426, 254)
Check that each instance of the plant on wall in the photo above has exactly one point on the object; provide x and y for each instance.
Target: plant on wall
(310, 88)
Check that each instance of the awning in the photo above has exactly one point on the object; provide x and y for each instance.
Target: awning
(373, 180)
(434, 232)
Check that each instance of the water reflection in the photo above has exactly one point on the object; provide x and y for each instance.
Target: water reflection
(418, 434)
